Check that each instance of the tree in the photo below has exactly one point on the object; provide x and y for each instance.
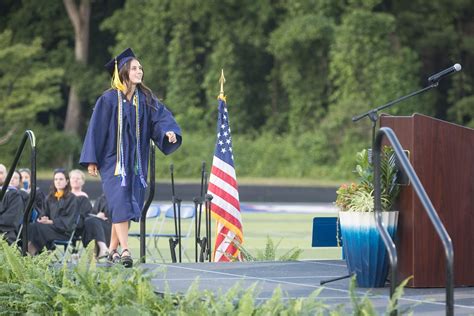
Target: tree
(300, 46)
(368, 67)
(442, 36)
(184, 86)
(149, 38)
(28, 84)
(80, 17)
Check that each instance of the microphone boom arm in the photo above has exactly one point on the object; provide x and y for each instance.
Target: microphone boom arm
(368, 113)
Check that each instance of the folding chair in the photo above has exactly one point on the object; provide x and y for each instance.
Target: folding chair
(167, 230)
(67, 243)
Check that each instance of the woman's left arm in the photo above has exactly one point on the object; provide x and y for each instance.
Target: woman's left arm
(165, 132)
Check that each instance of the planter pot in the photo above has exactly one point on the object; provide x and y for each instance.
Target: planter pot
(364, 249)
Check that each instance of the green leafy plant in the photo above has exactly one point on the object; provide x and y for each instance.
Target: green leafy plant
(359, 197)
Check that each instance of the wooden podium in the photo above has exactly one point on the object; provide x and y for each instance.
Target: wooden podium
(442, 155)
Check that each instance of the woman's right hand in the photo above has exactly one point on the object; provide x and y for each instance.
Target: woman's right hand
(92, 169)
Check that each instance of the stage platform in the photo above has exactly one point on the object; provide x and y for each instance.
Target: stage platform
(298, 279)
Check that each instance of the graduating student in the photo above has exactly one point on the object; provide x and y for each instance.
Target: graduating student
(11, 210)
(124, 120)
(59, 216)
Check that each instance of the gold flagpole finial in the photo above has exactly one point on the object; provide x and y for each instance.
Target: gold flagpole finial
(221, 81)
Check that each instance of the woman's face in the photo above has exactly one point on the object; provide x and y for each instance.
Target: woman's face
(60, 181)
(76, 181)
(135, 73)
(15, 180)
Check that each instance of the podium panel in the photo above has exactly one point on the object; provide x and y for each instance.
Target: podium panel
(442, 155)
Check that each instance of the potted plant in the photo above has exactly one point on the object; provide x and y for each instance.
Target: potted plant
(364, 249)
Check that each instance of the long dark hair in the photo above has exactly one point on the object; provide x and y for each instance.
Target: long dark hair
(67, 189)
(123, 75)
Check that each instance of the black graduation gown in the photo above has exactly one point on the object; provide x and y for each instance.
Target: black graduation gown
(40, 199)
(63, 213)
(85, 208)
(96, 228)
(24, 196)
(11, 214)
(38, 203)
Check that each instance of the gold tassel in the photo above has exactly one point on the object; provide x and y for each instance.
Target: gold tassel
(116, 83)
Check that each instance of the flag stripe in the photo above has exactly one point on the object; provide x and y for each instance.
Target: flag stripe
(217, 191)
(224, 185)
(218, 172)
(224, 166)
(231, 223)
(224, 209)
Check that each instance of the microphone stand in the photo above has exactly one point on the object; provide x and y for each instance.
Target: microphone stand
(373, 116)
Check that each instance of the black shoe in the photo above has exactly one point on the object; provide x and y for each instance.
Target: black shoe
(113, 257)
(126, 259)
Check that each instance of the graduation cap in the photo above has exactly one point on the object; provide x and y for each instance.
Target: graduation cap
(115, 64)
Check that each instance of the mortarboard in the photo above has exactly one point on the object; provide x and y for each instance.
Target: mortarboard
(121, 59)
(115, 64)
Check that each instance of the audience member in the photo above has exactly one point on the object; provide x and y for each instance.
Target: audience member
(26, 186)
(26, 178)
(90, 224)
(16, 181)
(59, 215)
(11, 209)
(85, 207)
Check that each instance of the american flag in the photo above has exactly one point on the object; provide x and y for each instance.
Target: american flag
(225, 205)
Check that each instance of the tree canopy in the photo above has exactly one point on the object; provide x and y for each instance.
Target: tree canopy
(296, 71)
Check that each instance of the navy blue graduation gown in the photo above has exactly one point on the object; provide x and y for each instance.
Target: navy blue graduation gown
(100, 147)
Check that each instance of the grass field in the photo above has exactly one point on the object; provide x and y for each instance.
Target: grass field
(288, 229)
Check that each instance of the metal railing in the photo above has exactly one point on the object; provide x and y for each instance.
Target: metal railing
(147, 204)
(27, 213)
(427, 205)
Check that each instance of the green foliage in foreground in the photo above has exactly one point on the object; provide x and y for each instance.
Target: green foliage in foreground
(34, 286)
(270, 252)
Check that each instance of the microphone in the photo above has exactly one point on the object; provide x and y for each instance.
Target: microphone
(440, 75)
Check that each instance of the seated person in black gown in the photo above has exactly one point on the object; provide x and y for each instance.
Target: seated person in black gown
(11, 210)
(59, 216)
(16, 181)
(89, 226)
(98, 227)
(26, 187)
(78, 179)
